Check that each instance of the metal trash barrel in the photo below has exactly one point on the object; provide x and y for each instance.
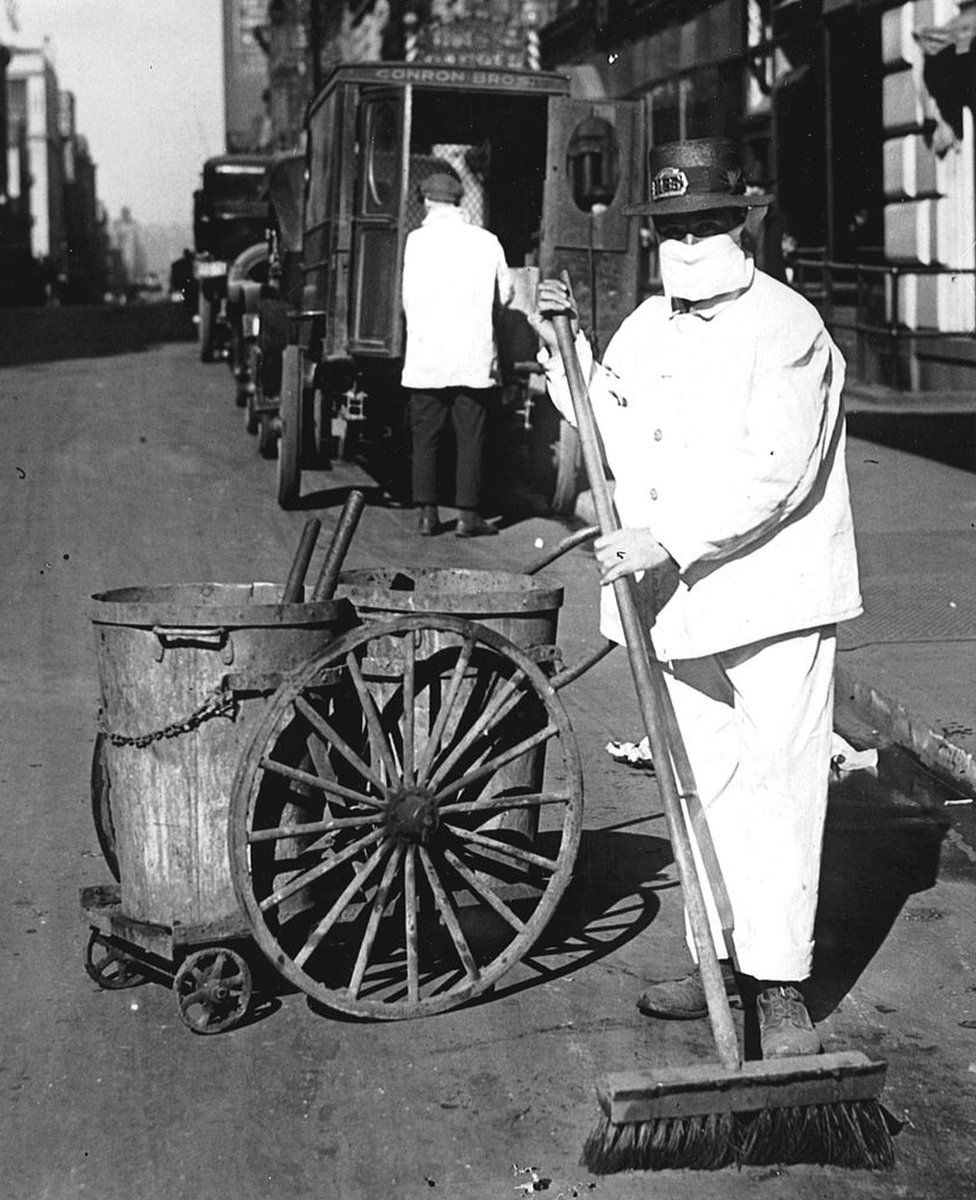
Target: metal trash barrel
(524, 608)
(184, 673)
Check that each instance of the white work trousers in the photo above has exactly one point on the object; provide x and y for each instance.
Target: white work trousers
(757, 725)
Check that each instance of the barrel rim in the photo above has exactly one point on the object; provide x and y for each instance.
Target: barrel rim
(543, 592)
(145, 614)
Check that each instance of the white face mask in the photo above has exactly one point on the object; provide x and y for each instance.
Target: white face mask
(706, 268)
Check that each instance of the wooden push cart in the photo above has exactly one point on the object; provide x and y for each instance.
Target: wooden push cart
(383, 793)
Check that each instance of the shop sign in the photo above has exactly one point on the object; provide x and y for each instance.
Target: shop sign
(473, 42)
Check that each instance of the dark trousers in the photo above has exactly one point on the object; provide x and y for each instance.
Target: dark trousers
(428, 416)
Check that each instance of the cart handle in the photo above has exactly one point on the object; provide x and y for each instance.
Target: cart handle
(561, 548)
(582, 665)
(342, 535)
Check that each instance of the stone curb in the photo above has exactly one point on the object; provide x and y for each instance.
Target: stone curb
(950, 762)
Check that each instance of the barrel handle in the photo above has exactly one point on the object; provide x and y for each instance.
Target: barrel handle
(212, 639)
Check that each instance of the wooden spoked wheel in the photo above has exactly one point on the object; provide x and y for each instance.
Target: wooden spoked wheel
(252, 387)
(567, 460)
(205, 327)
(406, 818)
(290, 411)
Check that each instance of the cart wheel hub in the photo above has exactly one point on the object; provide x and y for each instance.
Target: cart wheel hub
(412, 815)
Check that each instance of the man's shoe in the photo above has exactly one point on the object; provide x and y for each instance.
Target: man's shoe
(429, 520)
(785, 1028)
(473, 525)
(684, 999)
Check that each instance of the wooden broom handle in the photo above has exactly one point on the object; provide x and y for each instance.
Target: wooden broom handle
(649, 683)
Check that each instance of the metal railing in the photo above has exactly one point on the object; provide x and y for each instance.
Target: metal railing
(875, 292)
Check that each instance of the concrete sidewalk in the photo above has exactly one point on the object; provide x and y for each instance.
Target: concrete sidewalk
(908, 665)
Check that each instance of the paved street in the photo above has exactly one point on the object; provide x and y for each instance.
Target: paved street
(135, 469)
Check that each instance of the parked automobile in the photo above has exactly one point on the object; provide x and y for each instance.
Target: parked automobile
(230, 214)
(271, 308)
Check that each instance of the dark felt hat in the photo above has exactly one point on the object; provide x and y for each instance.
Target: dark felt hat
(696, 175)
(441, 186)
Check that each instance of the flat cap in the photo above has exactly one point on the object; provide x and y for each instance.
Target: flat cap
(443, 187)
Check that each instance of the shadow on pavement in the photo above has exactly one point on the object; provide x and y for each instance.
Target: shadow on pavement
(881, 847)
(337, 496)
(610, 900)
(948, 438)
(37, 335)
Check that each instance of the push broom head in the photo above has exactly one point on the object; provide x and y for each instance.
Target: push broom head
(818, 1109)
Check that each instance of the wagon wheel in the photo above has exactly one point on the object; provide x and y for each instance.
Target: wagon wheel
(291, 437)
(109, 966)
(205, 327)
(238, 361)
(374, 834)
(321, 433)
(254, 372)
(567, 461)
(212, 989)
(267, 436)
(101, 805)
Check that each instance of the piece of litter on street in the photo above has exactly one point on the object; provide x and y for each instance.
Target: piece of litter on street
(539, 543)
(133, 1007)
(632, 754)
(844, 758)
(536, 1184)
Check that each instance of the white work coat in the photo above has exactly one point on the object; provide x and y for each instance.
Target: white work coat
(453, 274)
(725, 435)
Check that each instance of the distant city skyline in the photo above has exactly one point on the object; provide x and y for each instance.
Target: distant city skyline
(147, 80)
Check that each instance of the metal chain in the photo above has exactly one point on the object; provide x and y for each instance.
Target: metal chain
(220, 702)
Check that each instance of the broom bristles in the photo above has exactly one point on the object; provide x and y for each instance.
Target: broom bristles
(854, 1134)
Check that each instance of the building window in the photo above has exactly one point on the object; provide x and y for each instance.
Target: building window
(702, 103)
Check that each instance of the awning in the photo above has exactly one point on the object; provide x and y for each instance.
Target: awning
(958, 33)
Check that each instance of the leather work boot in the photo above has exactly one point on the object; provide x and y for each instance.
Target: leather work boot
(429, 520)
(684, 999)
(470, 524)
(785, 1028)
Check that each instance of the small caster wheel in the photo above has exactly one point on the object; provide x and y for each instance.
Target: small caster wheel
(212, 989)
(109, 967)
(250, 416)
(267, 436)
